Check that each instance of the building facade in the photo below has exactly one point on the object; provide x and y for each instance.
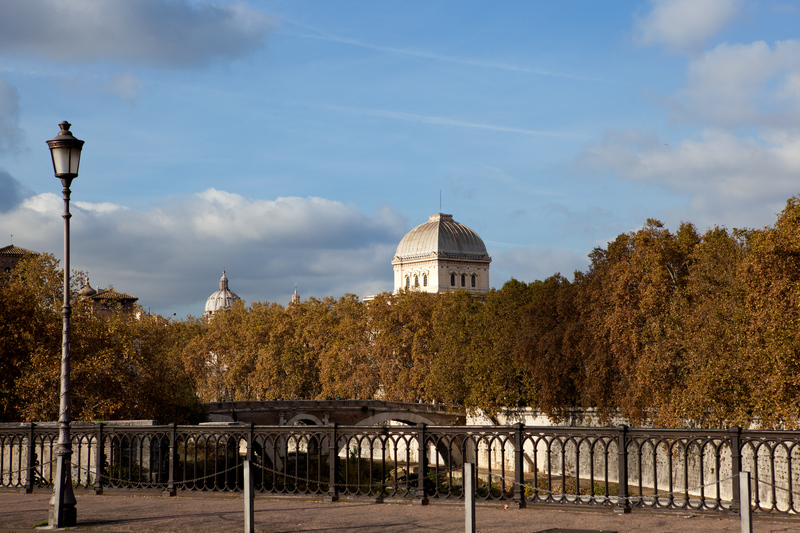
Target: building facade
(441, 255)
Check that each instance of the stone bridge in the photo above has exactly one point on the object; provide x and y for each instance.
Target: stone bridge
(343, 412)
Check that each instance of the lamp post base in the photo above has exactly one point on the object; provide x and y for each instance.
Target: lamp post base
(63, 501)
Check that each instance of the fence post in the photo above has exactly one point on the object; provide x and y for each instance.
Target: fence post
(333, 463)
(519, 465)
(421, 497)
(250, 437)
(469, 498)
(30, 466)
(173, 451)
(746, 509)
(249, 511)
(623, 502)
(736, 466)
(98, 459)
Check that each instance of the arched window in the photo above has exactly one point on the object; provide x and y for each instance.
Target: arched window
(416, 280)
(452, 280)
(473, 280)
(463, 280)
(408, 282)
(424, 280)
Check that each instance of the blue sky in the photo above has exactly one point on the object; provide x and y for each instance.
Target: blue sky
(296, 142)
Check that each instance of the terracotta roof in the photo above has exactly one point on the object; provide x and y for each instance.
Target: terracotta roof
(112, 295)
(15, 251)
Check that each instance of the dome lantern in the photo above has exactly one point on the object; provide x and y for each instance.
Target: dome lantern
(220, 300)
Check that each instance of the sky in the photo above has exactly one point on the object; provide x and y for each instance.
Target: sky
(295, 142)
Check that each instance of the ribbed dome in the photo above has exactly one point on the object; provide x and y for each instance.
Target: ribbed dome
(222, 299)
(443, 237)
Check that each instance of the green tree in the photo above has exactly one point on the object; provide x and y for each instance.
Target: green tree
(549, 335)
(496, 376)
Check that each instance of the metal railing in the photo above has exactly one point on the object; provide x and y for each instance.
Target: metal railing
(618, 467)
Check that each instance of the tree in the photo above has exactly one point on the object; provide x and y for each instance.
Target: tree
(348, 368)
(623, 302)
(547, 347)
(496, 377)
(771, 276)
(30, 325)
(454, 323)
(401, 332)
(121, 367)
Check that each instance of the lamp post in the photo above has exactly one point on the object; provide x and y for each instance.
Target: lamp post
(66, 153)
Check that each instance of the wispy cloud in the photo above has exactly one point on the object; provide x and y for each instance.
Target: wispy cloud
(423, 54)
(444, 121)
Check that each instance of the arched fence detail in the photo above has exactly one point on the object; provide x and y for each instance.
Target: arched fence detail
(625, 469)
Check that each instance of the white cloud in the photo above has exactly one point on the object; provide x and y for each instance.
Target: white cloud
(166, 33)
(172, 256)
(728, 179)
(744, 84)
(684, 24)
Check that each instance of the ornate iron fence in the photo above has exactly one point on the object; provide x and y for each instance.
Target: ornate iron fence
(617, 467)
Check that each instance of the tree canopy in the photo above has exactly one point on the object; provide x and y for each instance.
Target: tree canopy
(672, 328)
(125, 366)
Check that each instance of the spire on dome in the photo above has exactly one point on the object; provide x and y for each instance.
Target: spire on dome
(221, 300)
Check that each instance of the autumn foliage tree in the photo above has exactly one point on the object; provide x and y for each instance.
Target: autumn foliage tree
(122, 367)
(670, 328)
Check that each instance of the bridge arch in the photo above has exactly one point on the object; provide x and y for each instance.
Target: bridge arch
(305, 417)
(397, 416)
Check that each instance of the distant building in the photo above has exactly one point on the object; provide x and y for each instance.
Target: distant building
(107, 301)
(295, 296)
(220, 300)
(441, 255)
(10, 255)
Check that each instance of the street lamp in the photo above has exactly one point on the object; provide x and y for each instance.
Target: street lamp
(66, 153)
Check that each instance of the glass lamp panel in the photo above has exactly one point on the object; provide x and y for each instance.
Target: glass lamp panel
(60, 159)
(74, 159)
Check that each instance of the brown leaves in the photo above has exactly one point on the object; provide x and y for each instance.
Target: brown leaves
(121, 367)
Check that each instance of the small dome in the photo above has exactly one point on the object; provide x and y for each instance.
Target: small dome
(87, 290)
(443, 237)
(222, 299)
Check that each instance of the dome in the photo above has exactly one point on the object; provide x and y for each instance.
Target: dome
(443, 237)
(221, 299)
(87, 290)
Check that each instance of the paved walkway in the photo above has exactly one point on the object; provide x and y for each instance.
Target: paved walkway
(115, 512)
